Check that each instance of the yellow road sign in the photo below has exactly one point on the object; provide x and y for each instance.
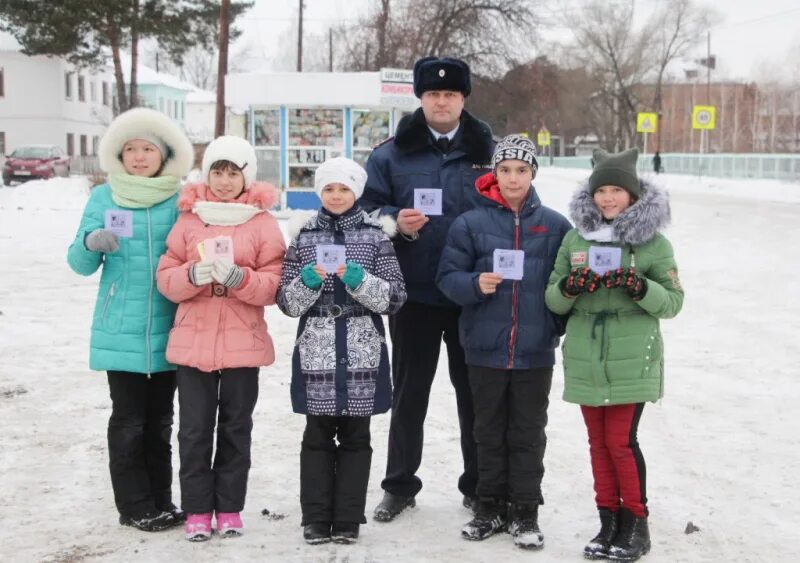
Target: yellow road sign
(704, 117)
(543, 138)
(646, 122)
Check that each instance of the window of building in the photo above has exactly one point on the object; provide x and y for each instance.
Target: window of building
(68, 85)
(161, 105)
(267, 128)
(93, 91)
(84, 146)
(105, 93)
(81, 88)
(2, 142)
(2, 83)
(95, 144)
(369, 129)
(70, 144)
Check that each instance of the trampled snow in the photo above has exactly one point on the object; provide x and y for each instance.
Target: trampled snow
(722, 447)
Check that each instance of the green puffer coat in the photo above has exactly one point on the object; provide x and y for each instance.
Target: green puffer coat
(613, 350)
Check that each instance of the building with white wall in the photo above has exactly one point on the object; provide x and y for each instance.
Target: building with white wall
(46, 100)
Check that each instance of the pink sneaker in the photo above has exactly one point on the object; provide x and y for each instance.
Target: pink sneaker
(198, 527)
(229, 524)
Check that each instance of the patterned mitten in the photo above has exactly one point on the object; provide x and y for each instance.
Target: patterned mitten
(353, 275)
(310, 277)
(581, 280)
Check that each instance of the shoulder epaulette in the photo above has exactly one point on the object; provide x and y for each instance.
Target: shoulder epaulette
(386, 140)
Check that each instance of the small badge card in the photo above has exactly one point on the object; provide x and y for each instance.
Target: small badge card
(331, 256)
(603, 259)
(220, 248)
(429, 201)
(509, 263)
(120, 222)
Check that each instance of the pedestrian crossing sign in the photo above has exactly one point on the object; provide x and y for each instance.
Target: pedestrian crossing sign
(646, 122)
(543, 137)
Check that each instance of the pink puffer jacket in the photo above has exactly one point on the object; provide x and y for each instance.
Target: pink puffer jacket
(215, 327)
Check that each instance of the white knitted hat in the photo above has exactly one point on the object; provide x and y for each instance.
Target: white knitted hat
(236, 150)
(342, 171)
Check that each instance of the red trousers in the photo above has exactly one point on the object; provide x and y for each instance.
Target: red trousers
(617, 462)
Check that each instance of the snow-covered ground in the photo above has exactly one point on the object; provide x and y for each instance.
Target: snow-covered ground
(723, 448)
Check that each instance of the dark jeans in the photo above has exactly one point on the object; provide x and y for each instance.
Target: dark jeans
(334, 478)
(417, 331)
(510, 418)
(139, 433)
(223, 486)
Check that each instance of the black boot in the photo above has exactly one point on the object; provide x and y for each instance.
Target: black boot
(392, 505)
(150, 522)
(178, 514)
(523, 525)
(597, 548)
(344, 532)
(633, 539)
(317, 532)
(490, 518)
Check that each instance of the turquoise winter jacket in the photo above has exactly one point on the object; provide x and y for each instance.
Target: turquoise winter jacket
(132, 319)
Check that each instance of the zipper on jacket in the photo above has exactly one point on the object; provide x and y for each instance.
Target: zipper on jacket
(150, 291)
(109, 295)
(512, 341)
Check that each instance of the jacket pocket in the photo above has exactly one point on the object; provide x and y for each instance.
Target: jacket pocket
(110, 313)
(244, 330)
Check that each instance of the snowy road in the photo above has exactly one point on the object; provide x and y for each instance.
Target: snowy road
(722, 448)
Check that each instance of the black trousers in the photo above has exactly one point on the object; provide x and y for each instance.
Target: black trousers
(139, 433)
(334, 478)
(417, 331)
(510, 418)
(220, 487)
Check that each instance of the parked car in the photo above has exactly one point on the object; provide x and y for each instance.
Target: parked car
(35, 161)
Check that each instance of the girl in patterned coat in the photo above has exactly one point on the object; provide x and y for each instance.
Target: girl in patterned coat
(339, 276)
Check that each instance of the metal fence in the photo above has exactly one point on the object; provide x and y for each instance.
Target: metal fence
(771, 166)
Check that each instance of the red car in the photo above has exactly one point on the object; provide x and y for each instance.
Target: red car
(35, 161)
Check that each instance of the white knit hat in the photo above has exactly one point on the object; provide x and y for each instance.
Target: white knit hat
(233, 149)
(342, 171)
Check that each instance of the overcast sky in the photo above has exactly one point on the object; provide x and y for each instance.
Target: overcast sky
(753, 35)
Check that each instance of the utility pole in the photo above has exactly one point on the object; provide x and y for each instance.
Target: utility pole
(300, 40)
(330, 49)
(222, 68)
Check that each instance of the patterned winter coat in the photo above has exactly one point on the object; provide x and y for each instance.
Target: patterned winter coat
(340, 365)
(613, 351)
(131, 318)
(215, 327)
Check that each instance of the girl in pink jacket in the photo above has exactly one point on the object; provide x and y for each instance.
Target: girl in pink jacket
(223, 265)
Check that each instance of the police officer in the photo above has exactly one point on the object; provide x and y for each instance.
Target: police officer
(425, 176)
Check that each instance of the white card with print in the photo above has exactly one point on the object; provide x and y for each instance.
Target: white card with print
(331, 256)
(119, 222)
(509, 263)
(603, 259)
(219, 248)
(429, 201)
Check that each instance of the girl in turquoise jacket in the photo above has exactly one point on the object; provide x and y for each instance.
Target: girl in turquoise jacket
(123, 232)
(616, 277)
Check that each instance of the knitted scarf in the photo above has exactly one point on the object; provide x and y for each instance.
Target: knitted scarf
(139, 192)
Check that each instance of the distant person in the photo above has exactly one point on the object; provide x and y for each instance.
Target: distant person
(509, 337)
(223, 266)
(145, 154)
(657, 163)
(613, 351)
(340, 367)
(442, 149)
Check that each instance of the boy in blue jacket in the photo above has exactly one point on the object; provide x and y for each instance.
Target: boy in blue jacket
(496, 265)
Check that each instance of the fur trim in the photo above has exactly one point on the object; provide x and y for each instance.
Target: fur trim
(261, 194)
(139, 121)
(386, 223)
(301, 220)
(637, 225)
(298, 221)
(474, 136)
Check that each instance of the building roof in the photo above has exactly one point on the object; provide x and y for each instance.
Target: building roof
(147, 75)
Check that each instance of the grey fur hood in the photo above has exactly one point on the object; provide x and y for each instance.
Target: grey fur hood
(637, 225)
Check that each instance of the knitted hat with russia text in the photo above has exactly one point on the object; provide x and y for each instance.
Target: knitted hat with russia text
(515, 147)
(233, 149)
(441, 73)
(340, 170)
(615, 169)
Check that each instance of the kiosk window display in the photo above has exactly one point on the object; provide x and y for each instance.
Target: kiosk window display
(369, 129)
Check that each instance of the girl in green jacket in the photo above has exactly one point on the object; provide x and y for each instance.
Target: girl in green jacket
(615, 276)
(123, 232)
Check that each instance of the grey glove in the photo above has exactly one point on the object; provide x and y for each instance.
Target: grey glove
(101, 240)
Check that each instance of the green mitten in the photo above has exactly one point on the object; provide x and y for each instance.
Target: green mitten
(310, 277)
(353, 275)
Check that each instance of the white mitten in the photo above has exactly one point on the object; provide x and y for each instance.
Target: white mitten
(229, 275)
(200, 273)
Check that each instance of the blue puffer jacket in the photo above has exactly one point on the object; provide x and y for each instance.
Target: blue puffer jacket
(132, 319)
(512, 328)
(411, 160)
